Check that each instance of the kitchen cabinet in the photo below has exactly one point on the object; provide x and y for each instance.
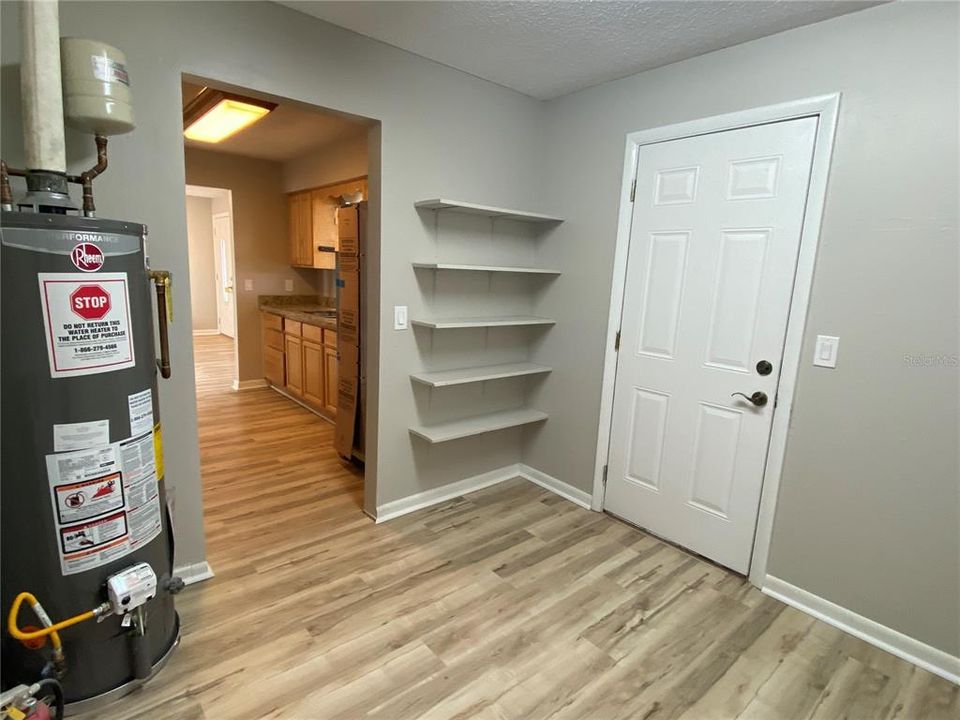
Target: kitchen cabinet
(331, 364)
(301, 360)
(313, 223)
(313, 368)
(293, 363)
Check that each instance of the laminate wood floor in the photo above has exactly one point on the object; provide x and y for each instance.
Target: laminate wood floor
(506, 603)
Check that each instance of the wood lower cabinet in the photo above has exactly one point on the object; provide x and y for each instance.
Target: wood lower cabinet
(293, 363)
(301, 360)
(331, 363)
(313, 374)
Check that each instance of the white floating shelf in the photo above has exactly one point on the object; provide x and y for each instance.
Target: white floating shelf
(477, 425)
(481, 322)
(487, 268)
(463, 376)
(488, 210)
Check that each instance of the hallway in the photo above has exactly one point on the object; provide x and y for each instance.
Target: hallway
(263, 457)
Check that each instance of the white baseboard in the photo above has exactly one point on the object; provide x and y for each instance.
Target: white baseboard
(202, 333)
(194, 573)
(894, 642)
(574, 495)
(239, 385)
(428, 498)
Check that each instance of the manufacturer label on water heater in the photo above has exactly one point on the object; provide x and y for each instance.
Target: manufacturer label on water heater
(86, 323)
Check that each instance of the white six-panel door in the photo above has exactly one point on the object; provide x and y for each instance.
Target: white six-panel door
(713, 249)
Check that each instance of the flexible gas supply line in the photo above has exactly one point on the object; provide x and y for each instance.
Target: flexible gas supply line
(49, 628)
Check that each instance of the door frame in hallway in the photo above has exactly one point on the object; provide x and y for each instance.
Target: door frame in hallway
(825, 108)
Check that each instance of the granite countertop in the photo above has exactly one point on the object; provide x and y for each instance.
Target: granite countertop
(306, 309)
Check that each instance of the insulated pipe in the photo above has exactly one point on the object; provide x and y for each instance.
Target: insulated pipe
(40, 84)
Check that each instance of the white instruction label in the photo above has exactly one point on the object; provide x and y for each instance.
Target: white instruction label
(81, 435)
(106, 502)
(86, 322)
(109, 70)
(141, 412)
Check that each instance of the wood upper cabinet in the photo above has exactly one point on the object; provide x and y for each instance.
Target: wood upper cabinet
(301, 224)
(313, 223)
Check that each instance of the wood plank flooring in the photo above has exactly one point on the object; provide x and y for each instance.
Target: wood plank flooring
(508, 603)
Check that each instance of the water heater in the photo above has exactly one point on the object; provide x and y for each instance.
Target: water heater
(86, 538)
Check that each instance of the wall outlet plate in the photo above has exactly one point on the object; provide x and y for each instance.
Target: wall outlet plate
(288, 285)
(399, 317)
(248, 285)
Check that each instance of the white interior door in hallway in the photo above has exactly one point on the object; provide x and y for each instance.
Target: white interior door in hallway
(716, 228)
(226, 292)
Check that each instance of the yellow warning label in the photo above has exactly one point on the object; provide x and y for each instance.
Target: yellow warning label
(158, 450)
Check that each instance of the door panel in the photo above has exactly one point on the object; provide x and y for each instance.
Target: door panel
(223, 256)
(313, 364)
(293, 362)
(713, 247)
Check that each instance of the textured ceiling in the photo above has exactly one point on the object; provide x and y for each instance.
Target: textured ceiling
(548, 49)
(288, 132)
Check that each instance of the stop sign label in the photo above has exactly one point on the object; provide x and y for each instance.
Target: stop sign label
(91, 302)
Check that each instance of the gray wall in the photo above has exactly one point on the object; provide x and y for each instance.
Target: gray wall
(203, 284)
(261, 244)
(343, 159)
(443, 133)
(869, 500)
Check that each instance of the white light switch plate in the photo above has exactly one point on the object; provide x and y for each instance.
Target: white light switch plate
(825, 353)
(248, 285)
(399, 317)
(288, 285)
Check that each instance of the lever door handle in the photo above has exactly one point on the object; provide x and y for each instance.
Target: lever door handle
(759, 398)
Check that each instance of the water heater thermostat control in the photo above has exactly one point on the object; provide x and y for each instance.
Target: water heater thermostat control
(131, 588)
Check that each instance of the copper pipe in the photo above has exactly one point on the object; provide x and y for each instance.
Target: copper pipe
(161, 282)
(86, 178)
(6, 194)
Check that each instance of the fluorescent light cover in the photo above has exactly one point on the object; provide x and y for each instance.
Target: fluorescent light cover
(224, 119)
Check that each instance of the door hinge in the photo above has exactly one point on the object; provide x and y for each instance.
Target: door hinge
(616, 342)
(633, 190)
(605, 476)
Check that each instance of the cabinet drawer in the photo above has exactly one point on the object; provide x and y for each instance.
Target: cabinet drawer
(273, 339)
(269, 320)
(312, 332)
(292, 327)
(330, 338)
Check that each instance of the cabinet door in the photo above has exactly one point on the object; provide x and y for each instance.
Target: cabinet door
(293, 205)
(301, 241)
(273, 366)
(313, 373)
(293, 361)
(331, 365)
(323, 248)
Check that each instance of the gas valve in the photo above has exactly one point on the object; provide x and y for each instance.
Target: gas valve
(129, 589)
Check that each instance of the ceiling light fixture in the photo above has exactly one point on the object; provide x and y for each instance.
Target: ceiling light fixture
(213, 115)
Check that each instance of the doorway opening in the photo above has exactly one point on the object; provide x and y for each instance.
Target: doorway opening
(279, 214)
